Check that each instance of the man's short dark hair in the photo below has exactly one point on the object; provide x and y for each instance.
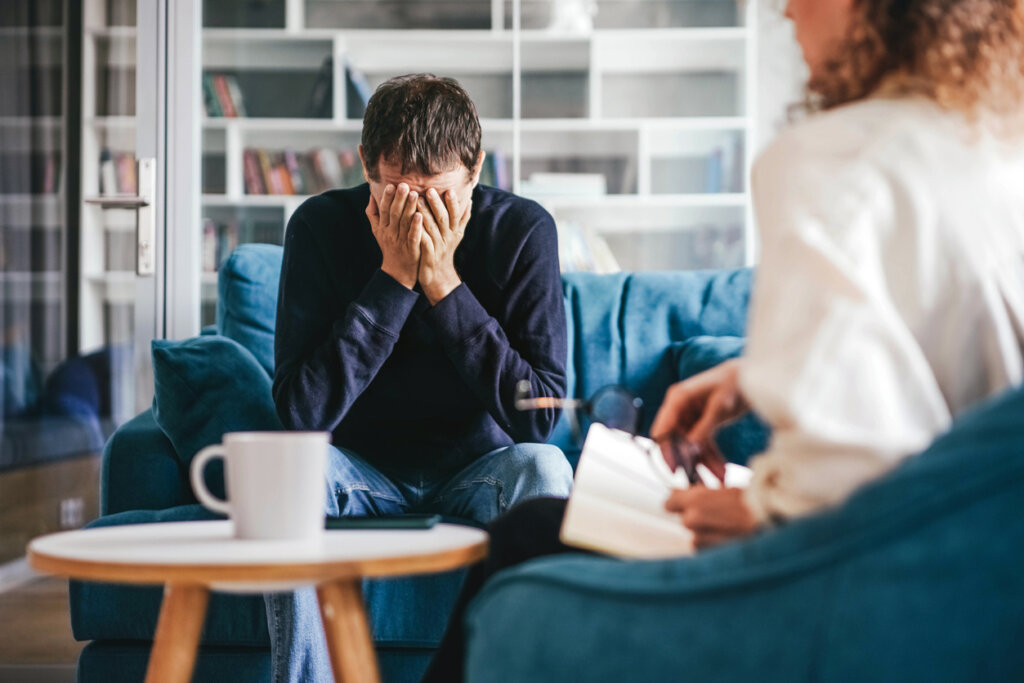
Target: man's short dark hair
(422, 123)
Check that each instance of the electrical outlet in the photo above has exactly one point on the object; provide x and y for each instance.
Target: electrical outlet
(72, 513)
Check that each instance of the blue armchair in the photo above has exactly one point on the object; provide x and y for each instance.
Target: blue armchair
(636, 330)
(916, 578)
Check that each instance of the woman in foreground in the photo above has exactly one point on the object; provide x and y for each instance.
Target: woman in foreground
(890, 289)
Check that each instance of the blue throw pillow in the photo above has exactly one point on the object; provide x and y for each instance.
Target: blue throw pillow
(247, 299)
(207, 386)
(746, 437)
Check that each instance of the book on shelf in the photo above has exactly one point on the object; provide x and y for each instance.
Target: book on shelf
(118, 173)
(321, 96)
(222, 96)
(617, 505)
(211, 100)
(290, 172)
(357, 91)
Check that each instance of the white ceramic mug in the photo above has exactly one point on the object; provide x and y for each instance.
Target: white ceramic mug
(274, 482)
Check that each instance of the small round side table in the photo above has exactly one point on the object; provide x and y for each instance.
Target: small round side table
(192, 558)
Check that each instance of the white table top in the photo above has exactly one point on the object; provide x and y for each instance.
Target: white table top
(207, 553)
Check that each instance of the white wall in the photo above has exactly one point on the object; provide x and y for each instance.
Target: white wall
(781, 71)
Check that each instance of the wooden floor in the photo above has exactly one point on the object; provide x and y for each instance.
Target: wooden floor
(35, 626)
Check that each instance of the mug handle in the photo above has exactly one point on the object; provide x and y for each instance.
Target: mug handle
(199, 486)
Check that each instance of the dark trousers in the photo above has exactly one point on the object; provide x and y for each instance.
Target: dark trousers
(528, 530)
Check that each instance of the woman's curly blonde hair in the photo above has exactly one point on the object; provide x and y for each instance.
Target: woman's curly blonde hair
(967, 55)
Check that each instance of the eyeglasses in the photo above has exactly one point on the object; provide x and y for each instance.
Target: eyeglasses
(615, 407)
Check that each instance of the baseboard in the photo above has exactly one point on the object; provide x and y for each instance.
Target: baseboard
(38, 673)
(13, 574)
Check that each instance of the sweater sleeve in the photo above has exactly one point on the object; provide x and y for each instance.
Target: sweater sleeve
(830, 362)
(531, 345)
(326, 359)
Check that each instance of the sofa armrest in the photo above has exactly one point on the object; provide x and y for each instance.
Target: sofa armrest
(915, 577)
(141, 470)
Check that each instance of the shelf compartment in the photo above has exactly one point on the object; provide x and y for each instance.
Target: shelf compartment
(461, 15)
(634, 14)
(697, 162)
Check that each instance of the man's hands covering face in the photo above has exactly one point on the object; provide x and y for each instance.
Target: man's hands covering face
(418, 236)
(398, 228)
(444, 224)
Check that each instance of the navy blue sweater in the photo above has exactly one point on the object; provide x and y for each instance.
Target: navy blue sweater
(406, 385)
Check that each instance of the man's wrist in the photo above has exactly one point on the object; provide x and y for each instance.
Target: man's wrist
(436, 291)
(398, 276)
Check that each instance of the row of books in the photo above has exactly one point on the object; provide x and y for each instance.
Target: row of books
(222, 96)
(290, 172)
(119, 173)
(220, 238)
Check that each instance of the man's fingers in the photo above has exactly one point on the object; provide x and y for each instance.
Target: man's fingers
(384, 209)
(398, 204)
(416, 231)
(440, 211)
(429, 222)
(451, 203)
(426, 247)
(408, 211)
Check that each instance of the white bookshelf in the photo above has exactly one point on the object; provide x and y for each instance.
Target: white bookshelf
(647, 105)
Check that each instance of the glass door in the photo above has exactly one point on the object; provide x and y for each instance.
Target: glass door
(122, 199)
(80, 231)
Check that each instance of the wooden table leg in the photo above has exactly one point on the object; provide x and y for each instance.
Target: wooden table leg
(348, 632)
(177, 634)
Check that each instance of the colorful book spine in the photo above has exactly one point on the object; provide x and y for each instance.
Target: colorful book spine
(210, 97)
(291, 161)
(267, 172)
(252, 173)
(224, 96)
(235, 91)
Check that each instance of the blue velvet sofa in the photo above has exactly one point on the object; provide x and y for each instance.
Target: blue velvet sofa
(644, 331)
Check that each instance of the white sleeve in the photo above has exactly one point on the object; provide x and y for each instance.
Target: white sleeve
(829, 362)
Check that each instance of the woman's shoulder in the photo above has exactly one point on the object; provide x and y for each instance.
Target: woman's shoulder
(857, 131)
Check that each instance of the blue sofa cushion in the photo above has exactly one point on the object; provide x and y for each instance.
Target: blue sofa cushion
(744, 438)
(916, 577)
(205, 387)
(247, 299)
(621, 327)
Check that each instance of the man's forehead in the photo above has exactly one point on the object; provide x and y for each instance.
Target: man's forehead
(392, 174)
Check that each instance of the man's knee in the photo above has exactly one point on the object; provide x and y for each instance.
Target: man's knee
(539, 469)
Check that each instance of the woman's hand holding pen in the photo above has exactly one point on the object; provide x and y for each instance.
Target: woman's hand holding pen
(694, 409)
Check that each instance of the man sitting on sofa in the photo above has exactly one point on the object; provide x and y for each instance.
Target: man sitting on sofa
(409, 309)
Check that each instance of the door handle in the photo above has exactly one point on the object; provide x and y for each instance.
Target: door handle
(145, 220)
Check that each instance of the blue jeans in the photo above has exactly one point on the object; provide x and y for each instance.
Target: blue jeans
(485, 489)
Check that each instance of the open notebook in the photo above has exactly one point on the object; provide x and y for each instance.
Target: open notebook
(618, 501)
